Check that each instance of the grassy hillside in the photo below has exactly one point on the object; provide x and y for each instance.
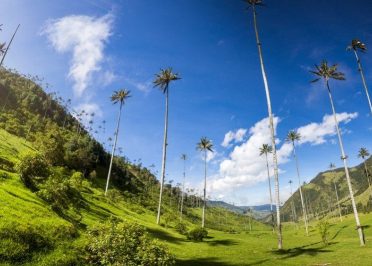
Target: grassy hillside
(320, 196)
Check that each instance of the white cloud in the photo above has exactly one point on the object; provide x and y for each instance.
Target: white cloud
(316, 133)
(143, 86)
(245, 167)
(85, 37)
(89, 108)
(236, 137)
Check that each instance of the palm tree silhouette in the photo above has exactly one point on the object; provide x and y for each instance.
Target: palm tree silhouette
(118, 97)
(364, 154)
(332, 166)
(326, 72)
(184, 158)
(204, 145)
(356, 45)
(253, 4)
(162, 80)
(266, 149)
(292, 137)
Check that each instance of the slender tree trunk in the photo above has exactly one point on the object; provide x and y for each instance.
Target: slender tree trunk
(272, 131)
(271, 197)
(363, 80)
(165, 144)
(113, 149)
(369, 182)
(205, 188)
(183, 187)
(304, 212)
(338, 201)
(344, 159)
(10, 42)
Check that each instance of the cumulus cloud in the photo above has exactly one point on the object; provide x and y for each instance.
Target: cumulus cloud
(89, 108)
(232, 136)
(85, 37)
(316, 133)
(244, 167)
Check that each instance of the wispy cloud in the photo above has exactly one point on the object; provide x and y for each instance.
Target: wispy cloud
(85, 37)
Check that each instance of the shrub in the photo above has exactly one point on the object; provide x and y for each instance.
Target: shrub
(323, 229)
(125, 244)
(114, 196)
(168, 219)
(58, 191)
(32, 168)
(181, 228)
(197, 234)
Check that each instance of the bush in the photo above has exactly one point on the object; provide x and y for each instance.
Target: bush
(197, 234)
(125, 244)
(32, 168)
(58, 191)
(114, 196)
(168, 219)
(323, 229)
(181, 228)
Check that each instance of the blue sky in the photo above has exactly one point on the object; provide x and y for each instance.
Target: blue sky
(211, 44)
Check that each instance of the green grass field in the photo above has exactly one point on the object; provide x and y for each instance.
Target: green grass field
(20, 208)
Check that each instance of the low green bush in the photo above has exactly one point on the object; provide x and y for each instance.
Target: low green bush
(32, 168)
(124, 244)
(181, 228)
(323, 229)
(197, 234)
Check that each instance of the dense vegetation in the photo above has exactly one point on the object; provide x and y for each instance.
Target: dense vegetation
(52, 191)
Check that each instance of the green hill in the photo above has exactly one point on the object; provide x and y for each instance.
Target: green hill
(320, 195)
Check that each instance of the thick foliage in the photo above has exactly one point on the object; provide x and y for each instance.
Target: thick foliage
(197, 234)
(125, 244)
(32, 169)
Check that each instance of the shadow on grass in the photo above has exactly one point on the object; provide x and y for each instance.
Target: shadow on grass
(339, 231)
(163, 235)
(222, 242)
(23, 198)
(303, 250)
(212, 261)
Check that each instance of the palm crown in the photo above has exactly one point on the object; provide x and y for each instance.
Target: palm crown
(183, 157)
(332, 166)
(205, 145)
(357, 45)
(164, 77)
(293, 136)
(254, 2)
(120, 96)
(327, 72)
(265, 149)
(363, 153)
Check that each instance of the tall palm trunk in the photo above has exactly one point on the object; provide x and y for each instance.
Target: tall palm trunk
(165, 144)
(276, 174)
(366, 169)
(344, 159)
(183, 187)
(271, 197)
(113, 148)
(304, 212)
(205, 188)
(338, 201)
(363, 79)
(7, 48)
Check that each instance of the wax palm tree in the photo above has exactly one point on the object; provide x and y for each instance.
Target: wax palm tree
(265, 149)
(292, 137)
(118, 97)
(204, 145)
(364, 154)
(332, 166)
(183, 158)
(292, 202)
(326, 72)
(162, 80)
(356, 45)
(253, 4)
(5, 50)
